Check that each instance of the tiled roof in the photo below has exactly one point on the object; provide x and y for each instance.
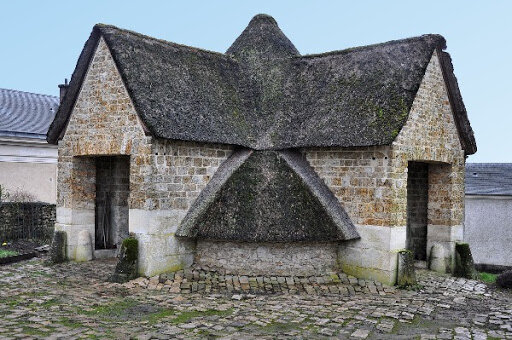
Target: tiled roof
(24, 114)
(489, 179)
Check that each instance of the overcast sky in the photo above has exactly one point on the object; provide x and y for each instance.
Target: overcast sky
(41, 41)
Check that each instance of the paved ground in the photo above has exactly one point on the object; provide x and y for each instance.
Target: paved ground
(74, 301)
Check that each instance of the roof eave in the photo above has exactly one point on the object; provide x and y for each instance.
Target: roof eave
(466, 135)
(60, 122)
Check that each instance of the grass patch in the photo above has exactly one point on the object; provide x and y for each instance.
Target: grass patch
(187, 316)
(7, 253)
(155, 317)
(70, 323)
(280, 327)
(15, 302)
(34, 331)
(115, 309)
(47, 304)
(487, 277)
(40, 273)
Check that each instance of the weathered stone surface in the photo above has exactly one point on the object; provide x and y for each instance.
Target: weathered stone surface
(58, 247)
(371, 183)
(166, 176)
(83, 247)
(406, 273)
(300, 259)
(437, 260)
(126, 268)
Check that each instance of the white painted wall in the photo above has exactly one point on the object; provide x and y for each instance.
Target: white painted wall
(29, 165)
(488, 229)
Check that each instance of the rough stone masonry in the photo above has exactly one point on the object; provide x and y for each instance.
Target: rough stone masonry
(316, 149)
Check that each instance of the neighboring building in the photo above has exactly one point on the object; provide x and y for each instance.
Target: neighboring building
(27, 162)
(261, 160)
(488, 222)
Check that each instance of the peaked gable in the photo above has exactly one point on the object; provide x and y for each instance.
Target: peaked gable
(431, 125)
(268, 97)
(103, 118)
(267, 196)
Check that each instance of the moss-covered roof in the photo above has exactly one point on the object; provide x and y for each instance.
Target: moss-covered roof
(267, 196)
(263, 95)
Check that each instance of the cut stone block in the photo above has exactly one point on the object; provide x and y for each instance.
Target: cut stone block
(84, 247)
(437, 260)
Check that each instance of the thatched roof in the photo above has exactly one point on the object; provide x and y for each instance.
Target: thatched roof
(263, 95)
(267, 196)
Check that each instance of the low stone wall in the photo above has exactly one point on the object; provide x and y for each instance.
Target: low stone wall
(298, 259)
(26, 220)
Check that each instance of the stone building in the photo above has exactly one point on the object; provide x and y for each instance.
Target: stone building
(28, 164)
(260, 160)
(488, 218)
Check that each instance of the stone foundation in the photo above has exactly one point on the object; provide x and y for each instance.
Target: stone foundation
(299, 259)
(374, 256)
(446, 236)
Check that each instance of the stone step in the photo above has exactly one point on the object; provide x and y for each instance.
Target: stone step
(203, 281)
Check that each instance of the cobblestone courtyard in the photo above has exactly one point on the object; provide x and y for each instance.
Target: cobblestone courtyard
(74, 301)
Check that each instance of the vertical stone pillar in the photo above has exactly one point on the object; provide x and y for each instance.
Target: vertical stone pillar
(445, 209)
(75, 210)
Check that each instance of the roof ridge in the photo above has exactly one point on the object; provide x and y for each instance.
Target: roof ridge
(376, 45)
(101, 26)
(28, 92)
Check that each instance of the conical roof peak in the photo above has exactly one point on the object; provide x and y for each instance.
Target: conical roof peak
(262, 38)
(263, 17)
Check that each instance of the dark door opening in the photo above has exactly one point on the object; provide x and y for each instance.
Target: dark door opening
(417, 209)
(112, 191)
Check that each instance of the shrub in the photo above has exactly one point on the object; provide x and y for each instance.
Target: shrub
(20, 195)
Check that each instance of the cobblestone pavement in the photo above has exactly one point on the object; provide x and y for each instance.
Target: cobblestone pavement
(74, 301)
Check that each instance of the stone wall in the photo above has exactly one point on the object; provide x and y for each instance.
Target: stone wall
(371, 183)
(283, 259)
(179, 171)
(360, 179)
(430, 135)
(26, 220)
(165, 176)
